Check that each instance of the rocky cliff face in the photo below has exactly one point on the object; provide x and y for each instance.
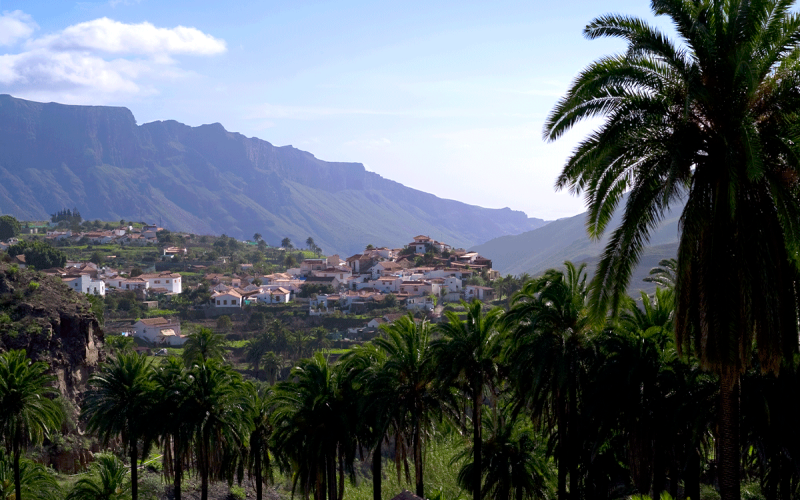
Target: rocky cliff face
(52, 323)
(209, 180)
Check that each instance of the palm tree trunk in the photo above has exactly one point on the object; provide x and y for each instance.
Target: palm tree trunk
(786, 478)
(134, 470)
(729, 487)
(572, 425)
(659, 470)
(341, 473)
(691, 480)
(418, 461)
(257, 467)
(477, 410)
(204, 468)
(177, 469)
(332, 474)
(563, 453)
(377, 475)
(17, 451)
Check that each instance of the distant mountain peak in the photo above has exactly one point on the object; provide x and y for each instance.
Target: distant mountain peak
(207, 179)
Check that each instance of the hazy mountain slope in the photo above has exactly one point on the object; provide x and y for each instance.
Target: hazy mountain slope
(566, 239)
(208, 180)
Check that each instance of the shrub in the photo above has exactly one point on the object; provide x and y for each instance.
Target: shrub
(33, 285)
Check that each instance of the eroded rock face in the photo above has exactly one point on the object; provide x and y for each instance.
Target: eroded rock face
(53, 324)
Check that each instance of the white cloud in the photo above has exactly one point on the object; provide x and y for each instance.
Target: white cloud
(15, 25)
(114, 37)
(98, 61)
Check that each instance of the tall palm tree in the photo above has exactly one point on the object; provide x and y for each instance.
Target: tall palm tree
(363, 367)
(27, 414)
(171, 381)
(418, 398)
(711, 120)
(467, 356)
(309, 427)
(215, 406)
(259, 406)
(550, 340)
(203, 345)
(634, 387)
(108, 481)
(119, 403)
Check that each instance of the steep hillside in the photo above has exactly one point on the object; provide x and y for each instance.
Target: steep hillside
(566, 239)
(208, 180)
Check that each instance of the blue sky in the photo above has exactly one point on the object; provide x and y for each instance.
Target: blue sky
(447, 97)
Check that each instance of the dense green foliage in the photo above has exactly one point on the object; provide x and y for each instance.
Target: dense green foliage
(9, 227)
(38, 255)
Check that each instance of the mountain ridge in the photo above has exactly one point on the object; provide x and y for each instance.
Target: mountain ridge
(207, 179)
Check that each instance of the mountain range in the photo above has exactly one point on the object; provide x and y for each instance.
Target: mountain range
(549, 246)
(207, 180)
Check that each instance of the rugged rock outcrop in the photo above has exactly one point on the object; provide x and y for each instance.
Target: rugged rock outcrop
(52, 323)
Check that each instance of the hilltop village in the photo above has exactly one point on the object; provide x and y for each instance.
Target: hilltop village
(152, 280)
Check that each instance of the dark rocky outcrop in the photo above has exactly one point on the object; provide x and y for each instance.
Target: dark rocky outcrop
(52, 323)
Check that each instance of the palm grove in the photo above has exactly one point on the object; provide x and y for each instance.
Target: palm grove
(576, 389)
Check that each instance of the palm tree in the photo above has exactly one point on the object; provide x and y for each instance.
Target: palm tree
(711, 121)
(215, 405)
(634, 386)
(514, 467)
(108, 481)
(119, 403)
(203, 345)
(418, 400)
(310, 428)
(258, 413)
(26, 412)
(310, 243)
(467, 355)
(273, 364)
(664, 275)
(286, 243)
(174, 432)
(551, 339)
(257, 237)
(363, 368)
(35, 480)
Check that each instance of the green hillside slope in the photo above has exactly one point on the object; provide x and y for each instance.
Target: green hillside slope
(566, 239)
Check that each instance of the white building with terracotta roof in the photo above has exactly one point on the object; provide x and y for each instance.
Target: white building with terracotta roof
(227, 299)
(167, 280)
(159, 331)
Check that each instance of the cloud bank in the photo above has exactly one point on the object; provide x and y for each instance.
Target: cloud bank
(95, 61)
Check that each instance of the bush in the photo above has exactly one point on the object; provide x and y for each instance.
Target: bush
(33, 285)
(237, 492)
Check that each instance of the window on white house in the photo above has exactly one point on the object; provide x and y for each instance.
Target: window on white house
(225, 302)
(217, 302)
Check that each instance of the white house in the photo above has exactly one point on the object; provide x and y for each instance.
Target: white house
(170, 281)
(85, 284)
(482, 293)
(229, 298)
(159, 331)
(385, 268)
(424, 302)
(273, 295)
(387, 284)
(127, 283)
(341, 273)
